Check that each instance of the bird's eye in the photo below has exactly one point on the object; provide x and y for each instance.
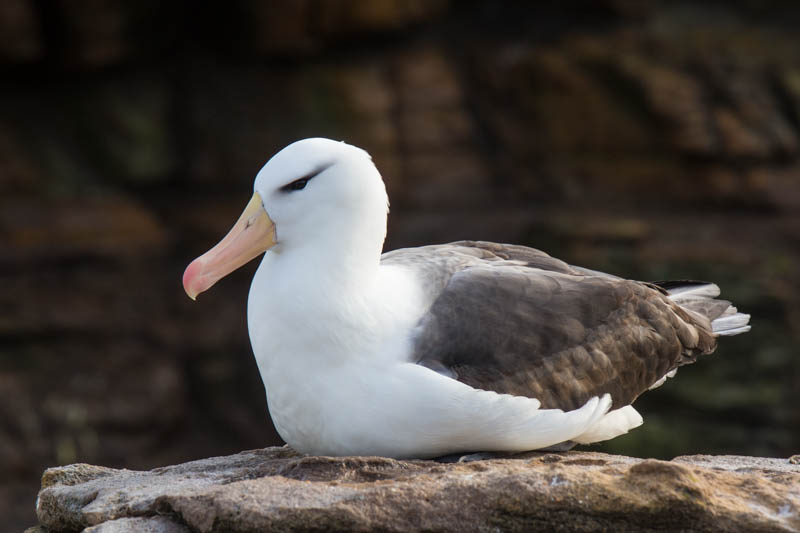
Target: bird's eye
(300, 184)
(297, 185)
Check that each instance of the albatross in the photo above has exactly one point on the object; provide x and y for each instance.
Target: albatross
(443, 349)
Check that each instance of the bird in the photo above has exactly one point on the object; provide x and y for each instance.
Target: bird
(442, 349)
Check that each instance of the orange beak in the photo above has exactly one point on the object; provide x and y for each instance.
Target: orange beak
(252, 235)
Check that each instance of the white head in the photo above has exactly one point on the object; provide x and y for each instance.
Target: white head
(315, 193)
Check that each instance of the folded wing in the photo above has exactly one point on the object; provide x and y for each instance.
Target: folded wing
(514, 320)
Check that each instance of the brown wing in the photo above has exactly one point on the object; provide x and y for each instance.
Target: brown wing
(530, 325)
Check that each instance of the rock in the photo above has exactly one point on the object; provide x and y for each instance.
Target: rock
(20, 38)
(737, 138)
(278, 489)
(777, 186)
(74, 474)
(104, 226)
(155, 524)
(678, 99)
(292, 26)
(95, 32)
(18, 168)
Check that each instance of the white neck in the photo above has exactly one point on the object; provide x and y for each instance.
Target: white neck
(323, 289)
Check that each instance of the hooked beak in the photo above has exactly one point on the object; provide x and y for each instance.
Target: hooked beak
(252, 235)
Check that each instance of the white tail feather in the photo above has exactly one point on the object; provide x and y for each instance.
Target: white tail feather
(709, 290)
(726, 323)
(702, 299)
(734, 331)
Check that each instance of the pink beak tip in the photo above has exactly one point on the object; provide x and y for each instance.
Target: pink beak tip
(190, 278)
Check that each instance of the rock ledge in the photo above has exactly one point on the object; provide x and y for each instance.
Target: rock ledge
(278, 489)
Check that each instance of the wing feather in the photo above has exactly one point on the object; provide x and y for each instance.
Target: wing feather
(514, 320)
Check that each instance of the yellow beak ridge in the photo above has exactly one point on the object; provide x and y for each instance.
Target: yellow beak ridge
(252, 235)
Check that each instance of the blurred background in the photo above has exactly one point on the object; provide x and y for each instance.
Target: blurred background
(651, 139)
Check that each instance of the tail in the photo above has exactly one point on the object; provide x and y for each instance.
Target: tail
(700, 297)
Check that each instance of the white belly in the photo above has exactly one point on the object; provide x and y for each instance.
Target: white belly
(411, 411)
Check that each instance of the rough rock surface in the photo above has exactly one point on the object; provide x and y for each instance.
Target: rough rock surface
(276, 489)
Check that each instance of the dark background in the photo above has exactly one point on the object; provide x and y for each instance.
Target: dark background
(651, 139)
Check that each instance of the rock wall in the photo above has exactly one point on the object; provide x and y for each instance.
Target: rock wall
(653, 139)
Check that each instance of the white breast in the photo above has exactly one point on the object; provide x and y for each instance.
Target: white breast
(319, 345)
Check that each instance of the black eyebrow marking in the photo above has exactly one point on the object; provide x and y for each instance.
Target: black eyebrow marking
(300, 183)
